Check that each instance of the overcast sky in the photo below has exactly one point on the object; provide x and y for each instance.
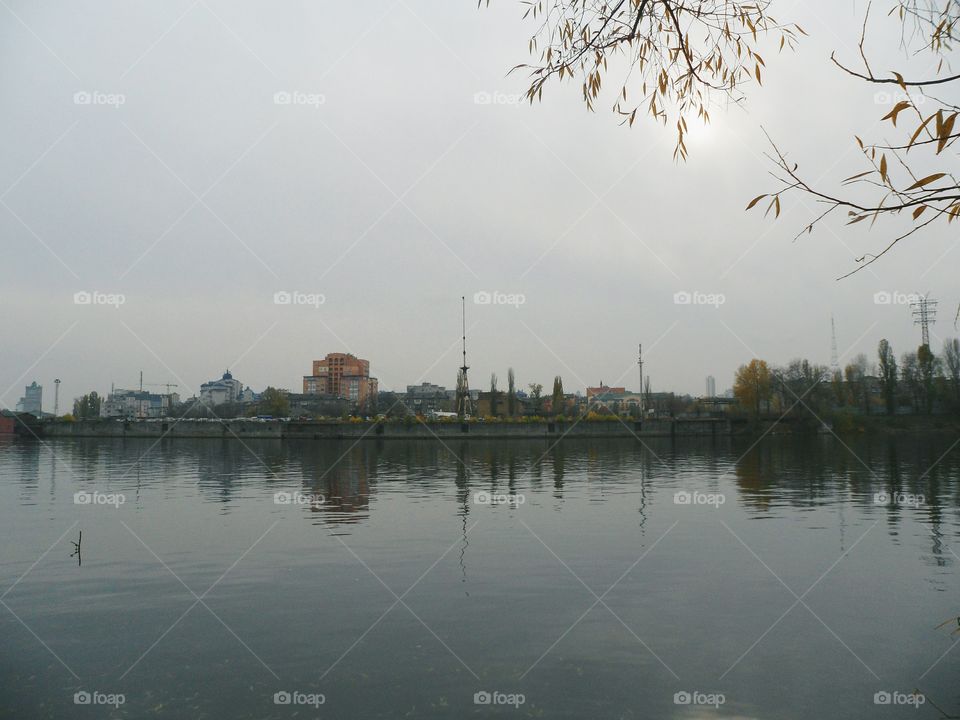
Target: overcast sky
(190, 188)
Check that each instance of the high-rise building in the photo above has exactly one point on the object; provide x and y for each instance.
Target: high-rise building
(32, 400)
(341, 375)
(711, 386)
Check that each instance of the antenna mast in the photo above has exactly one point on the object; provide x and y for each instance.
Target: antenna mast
(463, 386)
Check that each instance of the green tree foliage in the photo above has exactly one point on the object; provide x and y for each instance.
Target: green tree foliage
(556, 402)
(274, 402)
(888, 375)
(87, 406)
(511, 394)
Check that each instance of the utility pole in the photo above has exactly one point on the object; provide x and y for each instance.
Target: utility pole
(924, 315)
(640, 365)
(834, 358)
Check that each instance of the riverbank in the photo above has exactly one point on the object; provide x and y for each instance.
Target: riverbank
(388, 430)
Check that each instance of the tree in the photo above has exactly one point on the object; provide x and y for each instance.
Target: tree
(675, 56)
(556, 402)
(87, 406)
(888, 375)
(678, 54)
(928, 366)
(494, 399)
(536, 395)
(274, 402)
(752, 386)
(926, 187)
(856, 377)
(511, 394)
(910, 375)
(951, 363)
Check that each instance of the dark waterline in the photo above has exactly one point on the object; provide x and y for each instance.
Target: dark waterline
(590, 590)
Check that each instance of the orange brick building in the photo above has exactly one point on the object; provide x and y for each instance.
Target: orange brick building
(341, 375)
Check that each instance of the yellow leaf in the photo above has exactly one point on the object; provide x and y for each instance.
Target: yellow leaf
(753, 202)
(926, 181)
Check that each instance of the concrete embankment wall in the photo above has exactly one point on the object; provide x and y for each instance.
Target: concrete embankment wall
(277, 430)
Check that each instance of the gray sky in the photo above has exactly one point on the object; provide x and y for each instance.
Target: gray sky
(386, 188)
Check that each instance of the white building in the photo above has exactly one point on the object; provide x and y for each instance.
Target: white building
(711, 386)
(137, 404)
(225, 390)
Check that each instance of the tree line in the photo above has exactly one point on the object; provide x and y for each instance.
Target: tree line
(920, 382)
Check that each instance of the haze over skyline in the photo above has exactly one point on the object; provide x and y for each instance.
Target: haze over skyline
(200, 157)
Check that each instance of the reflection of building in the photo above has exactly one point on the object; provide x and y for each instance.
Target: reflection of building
(341, 375)
(32, 400)
(133, 404)
(711, 386)
(225, 390)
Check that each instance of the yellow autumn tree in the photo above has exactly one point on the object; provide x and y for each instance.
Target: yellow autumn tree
(753, 386)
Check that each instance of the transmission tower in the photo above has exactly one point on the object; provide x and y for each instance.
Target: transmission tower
(924, 315)
(834, 356)
(463, 386)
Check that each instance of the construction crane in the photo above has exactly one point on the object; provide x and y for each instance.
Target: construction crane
(166, 385)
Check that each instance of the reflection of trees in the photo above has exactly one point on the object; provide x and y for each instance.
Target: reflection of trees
(804, 471)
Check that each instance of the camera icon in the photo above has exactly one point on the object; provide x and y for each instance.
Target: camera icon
(882, 298)
(882, 98)
(82, 298)
(82, 698)
(682, 497)
(282, 298)
(682, 698)
(282, 498)
(881, 498)
(481, 498)
(282, 698)
(482, 98)
(882, 698)
(82, 97)
(482, 698)
(282, 98)
(682, 298)
(482, 298)
(82, 498)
